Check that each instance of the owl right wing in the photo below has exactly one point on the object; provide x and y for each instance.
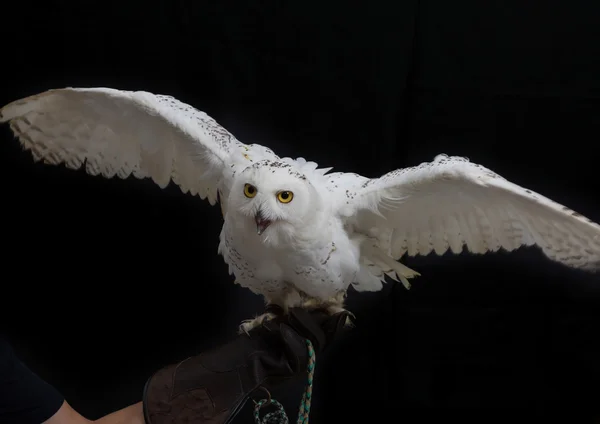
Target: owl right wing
(113, 132)
(451, 203)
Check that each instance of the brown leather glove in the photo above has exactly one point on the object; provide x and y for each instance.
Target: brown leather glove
(211, 388)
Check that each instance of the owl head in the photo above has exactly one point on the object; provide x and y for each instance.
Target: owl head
(275, 200)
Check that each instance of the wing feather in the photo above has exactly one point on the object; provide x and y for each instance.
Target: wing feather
(451, 203)
(122, 133)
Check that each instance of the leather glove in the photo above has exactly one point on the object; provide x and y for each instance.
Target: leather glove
(211, 388)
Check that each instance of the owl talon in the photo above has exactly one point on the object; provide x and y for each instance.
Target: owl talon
(243, 330)
(337, 308)
(349, 322)
(250, 324)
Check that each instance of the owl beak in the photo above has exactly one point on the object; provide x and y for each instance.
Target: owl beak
(261, 223)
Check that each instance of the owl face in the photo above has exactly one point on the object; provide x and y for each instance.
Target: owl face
(273, 199)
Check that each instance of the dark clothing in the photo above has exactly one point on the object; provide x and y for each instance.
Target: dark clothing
(24, 397)
(213, 386)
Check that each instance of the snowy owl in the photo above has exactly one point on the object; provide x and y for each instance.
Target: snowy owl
(294, 233)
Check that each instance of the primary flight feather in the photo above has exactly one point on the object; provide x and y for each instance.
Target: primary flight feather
(295, 233)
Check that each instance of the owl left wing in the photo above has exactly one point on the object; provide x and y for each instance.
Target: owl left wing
(451, 203)
(112, 132)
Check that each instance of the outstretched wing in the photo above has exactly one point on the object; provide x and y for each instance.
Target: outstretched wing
(113, 132)
(451, 203)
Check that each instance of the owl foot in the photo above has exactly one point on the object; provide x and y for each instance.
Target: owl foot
(250, 324)
(332, 310)
(332, 307)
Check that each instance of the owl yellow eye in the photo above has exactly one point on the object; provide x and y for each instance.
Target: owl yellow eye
(285, 196)
(249, 190)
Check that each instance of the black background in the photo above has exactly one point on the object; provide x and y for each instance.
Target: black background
(104, 281)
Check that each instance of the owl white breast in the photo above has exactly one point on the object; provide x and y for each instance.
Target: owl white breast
(279, 232)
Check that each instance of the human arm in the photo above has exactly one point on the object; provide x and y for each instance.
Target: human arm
(131, 414)
(213, 386)
(274, 353)
(25, 398)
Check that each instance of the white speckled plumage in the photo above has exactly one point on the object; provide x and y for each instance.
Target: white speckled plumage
(340, 229)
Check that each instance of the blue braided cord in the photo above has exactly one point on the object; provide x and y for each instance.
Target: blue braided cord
(279, 416)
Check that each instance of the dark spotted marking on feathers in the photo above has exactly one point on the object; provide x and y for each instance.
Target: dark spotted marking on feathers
(221, 136)
(278, 165)
(241, 264)
(576, 214)
(333, 249)
(271, 163)
(367, 183)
